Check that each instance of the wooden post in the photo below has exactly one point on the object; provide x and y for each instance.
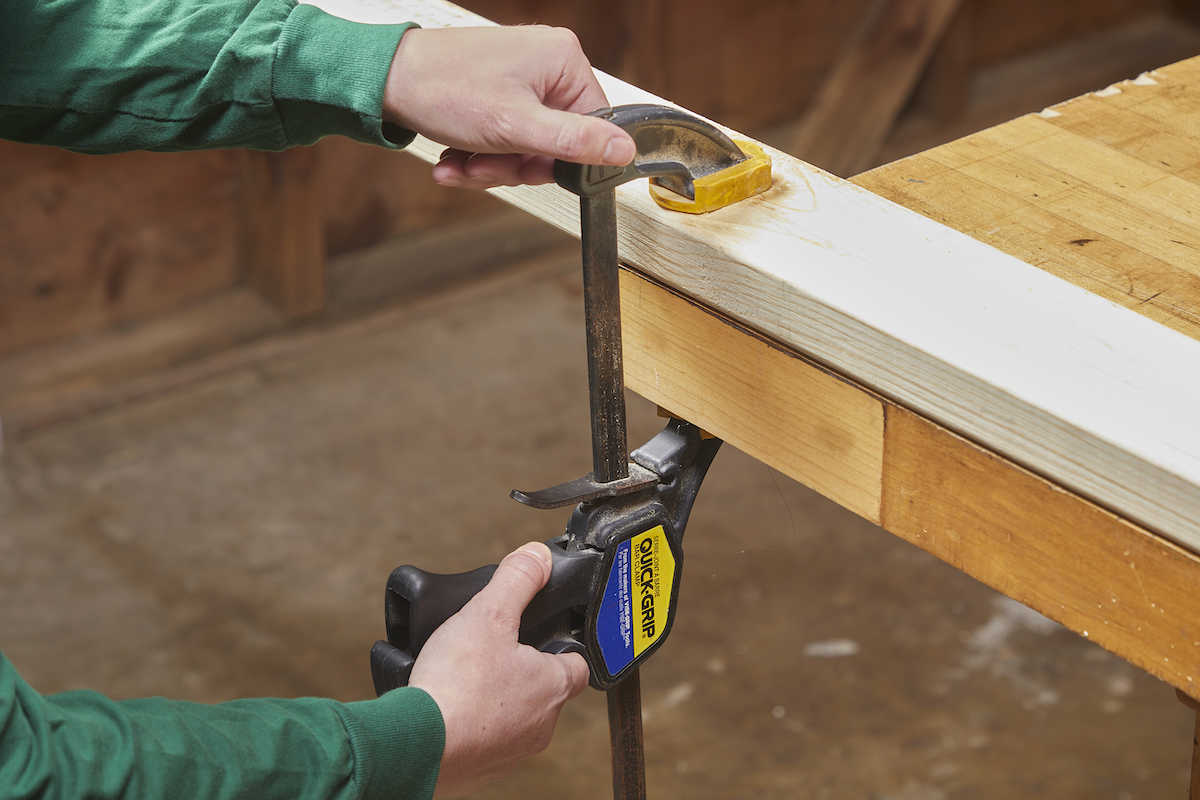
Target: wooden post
(1194, 705)
(858, 105)
(283, 239)
(944, 89)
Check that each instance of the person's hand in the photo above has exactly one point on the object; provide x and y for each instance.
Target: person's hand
(499, 699)
(507, 101)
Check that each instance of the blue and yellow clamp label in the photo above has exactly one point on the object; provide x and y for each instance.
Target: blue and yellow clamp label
(636, 605)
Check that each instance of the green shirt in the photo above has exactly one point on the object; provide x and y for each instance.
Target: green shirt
(103, 76)
(83, 745)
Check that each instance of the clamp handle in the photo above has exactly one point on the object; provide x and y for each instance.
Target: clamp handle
(672, 145)
(417, 602)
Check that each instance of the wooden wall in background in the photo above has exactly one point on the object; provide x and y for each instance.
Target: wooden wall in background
(746, 64)
(89, 242)
(1006, 28)
(753, 65)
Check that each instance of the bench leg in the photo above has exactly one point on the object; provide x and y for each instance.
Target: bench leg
(1194, 791)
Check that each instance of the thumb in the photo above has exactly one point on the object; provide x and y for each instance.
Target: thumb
(519, 576)
(579, 138)
(578, 672)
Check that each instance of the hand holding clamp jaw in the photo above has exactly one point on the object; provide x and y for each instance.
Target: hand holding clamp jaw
(617, 568)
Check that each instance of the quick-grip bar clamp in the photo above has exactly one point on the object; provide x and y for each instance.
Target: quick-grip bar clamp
(617, 568)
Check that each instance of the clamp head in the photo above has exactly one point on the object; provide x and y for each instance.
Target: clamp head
(719, 189)
(693, 166)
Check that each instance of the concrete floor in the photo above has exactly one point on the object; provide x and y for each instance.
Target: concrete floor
(233, 539)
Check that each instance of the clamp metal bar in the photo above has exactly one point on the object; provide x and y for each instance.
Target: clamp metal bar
(610, 450)
(602, 305)
(625, 738)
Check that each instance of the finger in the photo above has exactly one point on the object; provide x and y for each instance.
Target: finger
(537, 170)
(493, 169)
(520, 576)
(577, 671)
(485, 171)
(461, 170)
(451, 169)
(579, 138)
(510, 170)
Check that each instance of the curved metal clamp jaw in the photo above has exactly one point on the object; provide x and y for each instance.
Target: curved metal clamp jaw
(672, 145)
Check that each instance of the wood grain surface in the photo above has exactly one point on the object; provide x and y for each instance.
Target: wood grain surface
(1102, 191)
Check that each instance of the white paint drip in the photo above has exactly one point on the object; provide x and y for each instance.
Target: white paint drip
(1010, 618)
(679, 694)
(989, 648)
(832, 648)
(915, 791)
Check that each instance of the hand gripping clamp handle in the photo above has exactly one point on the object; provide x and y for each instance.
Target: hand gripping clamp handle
(593, 603)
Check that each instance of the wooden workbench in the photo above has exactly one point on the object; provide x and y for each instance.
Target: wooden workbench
(1100, 191)
(1030, 420)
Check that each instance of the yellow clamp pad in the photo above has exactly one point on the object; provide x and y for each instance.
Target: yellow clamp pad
(720, 189)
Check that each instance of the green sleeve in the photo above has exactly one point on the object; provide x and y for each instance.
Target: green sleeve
(79, 745)
(104, 76)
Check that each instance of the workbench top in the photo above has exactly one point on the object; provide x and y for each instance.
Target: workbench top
(1102, 191)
